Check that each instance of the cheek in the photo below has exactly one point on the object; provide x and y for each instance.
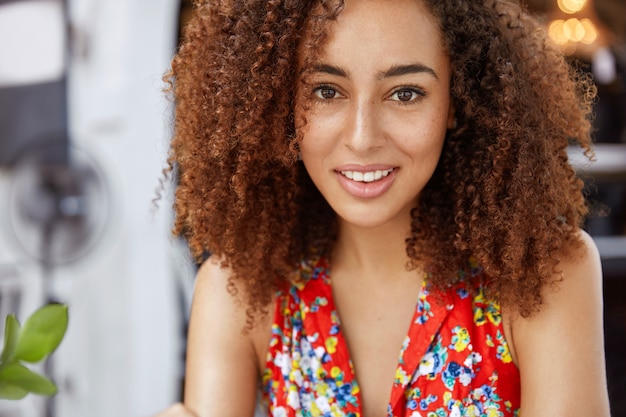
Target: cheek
(312, 146)
(422, 129)
(318, 137)
(420, 141)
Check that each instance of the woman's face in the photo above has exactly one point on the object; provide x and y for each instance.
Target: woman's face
(377, 110)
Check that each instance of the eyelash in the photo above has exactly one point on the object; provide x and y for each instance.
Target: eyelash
(317, 92)
(418, 93)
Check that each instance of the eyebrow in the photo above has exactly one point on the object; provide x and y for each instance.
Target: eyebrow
(398, 70)
(331, 69)
(394, 71)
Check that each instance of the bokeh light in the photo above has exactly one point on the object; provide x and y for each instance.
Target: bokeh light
(571, 31)
(591, 33)
(571, 6)
(574, 30)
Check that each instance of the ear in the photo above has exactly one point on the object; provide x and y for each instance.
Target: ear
(451, 124)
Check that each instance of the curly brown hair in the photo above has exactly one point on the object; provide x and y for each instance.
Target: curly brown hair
(503, 193)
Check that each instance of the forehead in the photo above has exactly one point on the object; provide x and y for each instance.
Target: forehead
(384, 29)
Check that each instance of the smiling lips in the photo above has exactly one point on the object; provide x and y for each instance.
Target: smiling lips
(368, 176)
(366, 184)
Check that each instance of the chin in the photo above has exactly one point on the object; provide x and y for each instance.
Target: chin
(369, 219)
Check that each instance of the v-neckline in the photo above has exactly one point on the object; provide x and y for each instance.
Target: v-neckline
(428, 316)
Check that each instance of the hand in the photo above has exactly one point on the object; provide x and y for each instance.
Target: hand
(176, 410)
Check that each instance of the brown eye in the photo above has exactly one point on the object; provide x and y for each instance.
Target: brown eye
(326, 92)
(407, 95)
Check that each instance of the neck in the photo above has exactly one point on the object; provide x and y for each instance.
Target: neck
(375, 252)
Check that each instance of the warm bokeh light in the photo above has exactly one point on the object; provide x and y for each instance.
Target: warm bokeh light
(572, 31)
(591, 33)
(557, 32)
(571, 6)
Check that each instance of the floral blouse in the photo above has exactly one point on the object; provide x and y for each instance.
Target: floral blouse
(454, 360)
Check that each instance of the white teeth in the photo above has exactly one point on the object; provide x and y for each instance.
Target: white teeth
(368, 176)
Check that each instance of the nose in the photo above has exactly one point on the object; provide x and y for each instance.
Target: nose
(363, 130)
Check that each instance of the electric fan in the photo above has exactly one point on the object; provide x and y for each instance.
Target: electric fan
(58, 203)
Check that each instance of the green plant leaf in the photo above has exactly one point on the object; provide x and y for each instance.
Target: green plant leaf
(9, 391)
(20, 376)
(41, 334)
(11, 333)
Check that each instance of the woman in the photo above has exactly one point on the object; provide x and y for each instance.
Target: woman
(413, 153)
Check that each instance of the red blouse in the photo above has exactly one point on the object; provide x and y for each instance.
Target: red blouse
(454, 360)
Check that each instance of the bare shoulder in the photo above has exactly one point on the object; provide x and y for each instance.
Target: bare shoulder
(221, 361)
(212, 286)
(564, 341)
(218, 300)
(582, 267)
(579, 285)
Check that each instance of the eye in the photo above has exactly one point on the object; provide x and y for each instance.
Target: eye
(326, 92)
(407, 94)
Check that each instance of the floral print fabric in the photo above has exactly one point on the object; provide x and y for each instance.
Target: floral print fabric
(454, 360)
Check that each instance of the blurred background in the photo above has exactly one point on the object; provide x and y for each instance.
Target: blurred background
(84, 130)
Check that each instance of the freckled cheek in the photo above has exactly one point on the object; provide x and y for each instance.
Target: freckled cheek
(315, 145)
(420, 140)
(423, 153)
(319, 136)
